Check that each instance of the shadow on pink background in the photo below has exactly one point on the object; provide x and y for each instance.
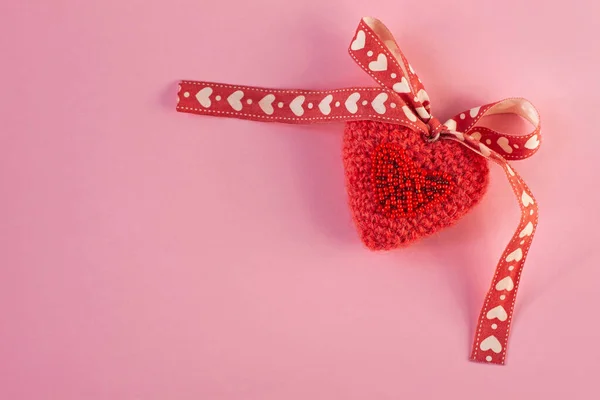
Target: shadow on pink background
(147, 254)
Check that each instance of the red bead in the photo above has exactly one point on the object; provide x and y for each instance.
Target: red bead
(402, 189)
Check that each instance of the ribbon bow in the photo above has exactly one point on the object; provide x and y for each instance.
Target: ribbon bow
(401, 99)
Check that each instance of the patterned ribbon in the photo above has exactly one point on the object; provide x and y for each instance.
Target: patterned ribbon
(401, 99)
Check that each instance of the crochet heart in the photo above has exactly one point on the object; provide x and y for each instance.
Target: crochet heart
(402, 188)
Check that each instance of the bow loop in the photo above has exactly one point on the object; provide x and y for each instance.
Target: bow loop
(510, 145)
(387, 65)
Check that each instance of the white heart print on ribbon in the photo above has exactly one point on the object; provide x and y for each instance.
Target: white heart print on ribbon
(504, 145)
(359, 42)
(235, 100)
(473, 112)
(380, 64)
(266, 104)
(526, 199)
(505, 284)
(527, 231)
(402, 86)
(296, 106)
(378, 103)
(532, 143)
(516, 255)
(325, 104)
(476, 136)
(203, 97)
(351, 103)
(491, 343)
(497, 312)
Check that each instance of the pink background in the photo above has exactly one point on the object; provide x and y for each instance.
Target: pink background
(147, 254)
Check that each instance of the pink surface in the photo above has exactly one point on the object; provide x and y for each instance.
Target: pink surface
(147, 254)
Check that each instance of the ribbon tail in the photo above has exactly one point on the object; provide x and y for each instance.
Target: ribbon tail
(293, 106)
(493, 327)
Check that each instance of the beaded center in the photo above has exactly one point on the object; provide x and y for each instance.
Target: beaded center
(402, 189)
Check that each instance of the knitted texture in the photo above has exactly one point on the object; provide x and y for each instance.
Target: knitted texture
(380, 231)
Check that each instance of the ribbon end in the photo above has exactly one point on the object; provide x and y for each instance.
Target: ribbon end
(487, 359)
(179, 93)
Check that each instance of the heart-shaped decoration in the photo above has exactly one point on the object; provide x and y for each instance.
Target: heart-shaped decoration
(476, 136)
(491, 343)
(532, 143)
(266, 104)
(351, 101)
(235, 100)
(296, 105)
(359, 42)
(505, 284)
(378, 103)
(505, 144)
(402, 86)
(325, 104)
(526, 199)
(380, 64)
(527, 231)
(516, 255)
(460, 176)
(497, 312)
(203, 97)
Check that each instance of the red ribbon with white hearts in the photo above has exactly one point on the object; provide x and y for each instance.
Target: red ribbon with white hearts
(401, 99)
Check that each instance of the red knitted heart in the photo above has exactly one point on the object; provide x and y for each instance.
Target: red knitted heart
(444, 180)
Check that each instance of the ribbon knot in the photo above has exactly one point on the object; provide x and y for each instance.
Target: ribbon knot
(435, 128)
(400, 98)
